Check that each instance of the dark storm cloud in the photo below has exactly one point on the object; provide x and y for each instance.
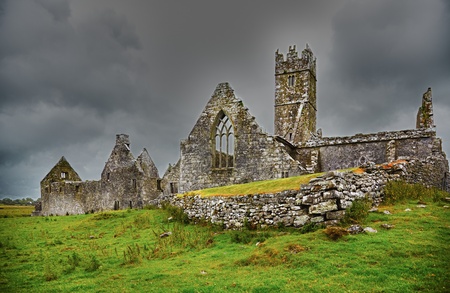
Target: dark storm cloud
(378, 42)
(62, 83)
(89, 65)
(75, 73)
(386, 54)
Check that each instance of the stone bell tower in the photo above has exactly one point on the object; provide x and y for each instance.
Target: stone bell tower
(295, 95)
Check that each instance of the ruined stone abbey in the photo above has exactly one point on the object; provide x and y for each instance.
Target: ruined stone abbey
(227, 146)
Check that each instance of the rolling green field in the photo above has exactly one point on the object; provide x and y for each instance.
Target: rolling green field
(122, 251)
(7, 211)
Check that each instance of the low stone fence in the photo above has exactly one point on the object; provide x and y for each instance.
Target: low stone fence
(323, 200)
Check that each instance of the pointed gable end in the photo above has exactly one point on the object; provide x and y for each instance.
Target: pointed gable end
(145, 163)
(62, 171)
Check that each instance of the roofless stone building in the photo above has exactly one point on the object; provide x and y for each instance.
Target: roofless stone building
(227, 146)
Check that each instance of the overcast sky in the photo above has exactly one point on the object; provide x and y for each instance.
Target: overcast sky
(73, 74)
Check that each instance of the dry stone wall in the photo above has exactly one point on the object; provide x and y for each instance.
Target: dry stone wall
(323, 200)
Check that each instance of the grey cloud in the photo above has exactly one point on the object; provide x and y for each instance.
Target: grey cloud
(61, 64)
(75, 73)
(378, 42)
(385, 55)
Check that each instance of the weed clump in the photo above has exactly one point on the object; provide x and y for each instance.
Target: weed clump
(266, 257)
(50, 273)
(177, 213)
(400, 192)
(334, 233)
(180, 239)
(310, 227)
(93, 264)
(73, 261)
(246, 236)
(132, 255)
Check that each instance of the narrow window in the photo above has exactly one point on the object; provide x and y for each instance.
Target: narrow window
(158, 185)
(77, 188)
(134, 184)
(291, 80)
(107, 176)
(131, 204)
(173, 187)
(63, 175)
(223, 152)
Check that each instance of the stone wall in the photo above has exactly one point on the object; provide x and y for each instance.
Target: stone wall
(323, 200)
(344, 152)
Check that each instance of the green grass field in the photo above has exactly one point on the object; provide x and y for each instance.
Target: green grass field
(7, 211)
(122, 251)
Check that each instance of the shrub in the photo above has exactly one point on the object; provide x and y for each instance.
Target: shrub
(244, 236)
(358, 212)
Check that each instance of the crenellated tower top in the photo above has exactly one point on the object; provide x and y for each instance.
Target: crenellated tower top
(293, 63)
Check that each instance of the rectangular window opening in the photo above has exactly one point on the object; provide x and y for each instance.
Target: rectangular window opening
(158, 185)
(173, 187)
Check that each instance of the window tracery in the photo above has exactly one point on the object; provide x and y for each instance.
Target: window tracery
(223, 152)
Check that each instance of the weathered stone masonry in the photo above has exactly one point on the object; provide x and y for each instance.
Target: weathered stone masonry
(227, 146)
(296, 148)
(125, 182)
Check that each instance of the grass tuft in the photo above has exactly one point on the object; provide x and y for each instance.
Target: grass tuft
(401, 192)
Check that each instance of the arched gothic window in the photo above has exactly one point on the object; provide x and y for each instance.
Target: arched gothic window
(223, 152)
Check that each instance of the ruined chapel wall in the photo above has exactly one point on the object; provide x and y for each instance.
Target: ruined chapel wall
(345, 152)
(257, 155)
(63, 198)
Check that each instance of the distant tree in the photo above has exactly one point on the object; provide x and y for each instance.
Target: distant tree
(23, 201)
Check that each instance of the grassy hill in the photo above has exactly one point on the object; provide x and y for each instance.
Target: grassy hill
(122, 251)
